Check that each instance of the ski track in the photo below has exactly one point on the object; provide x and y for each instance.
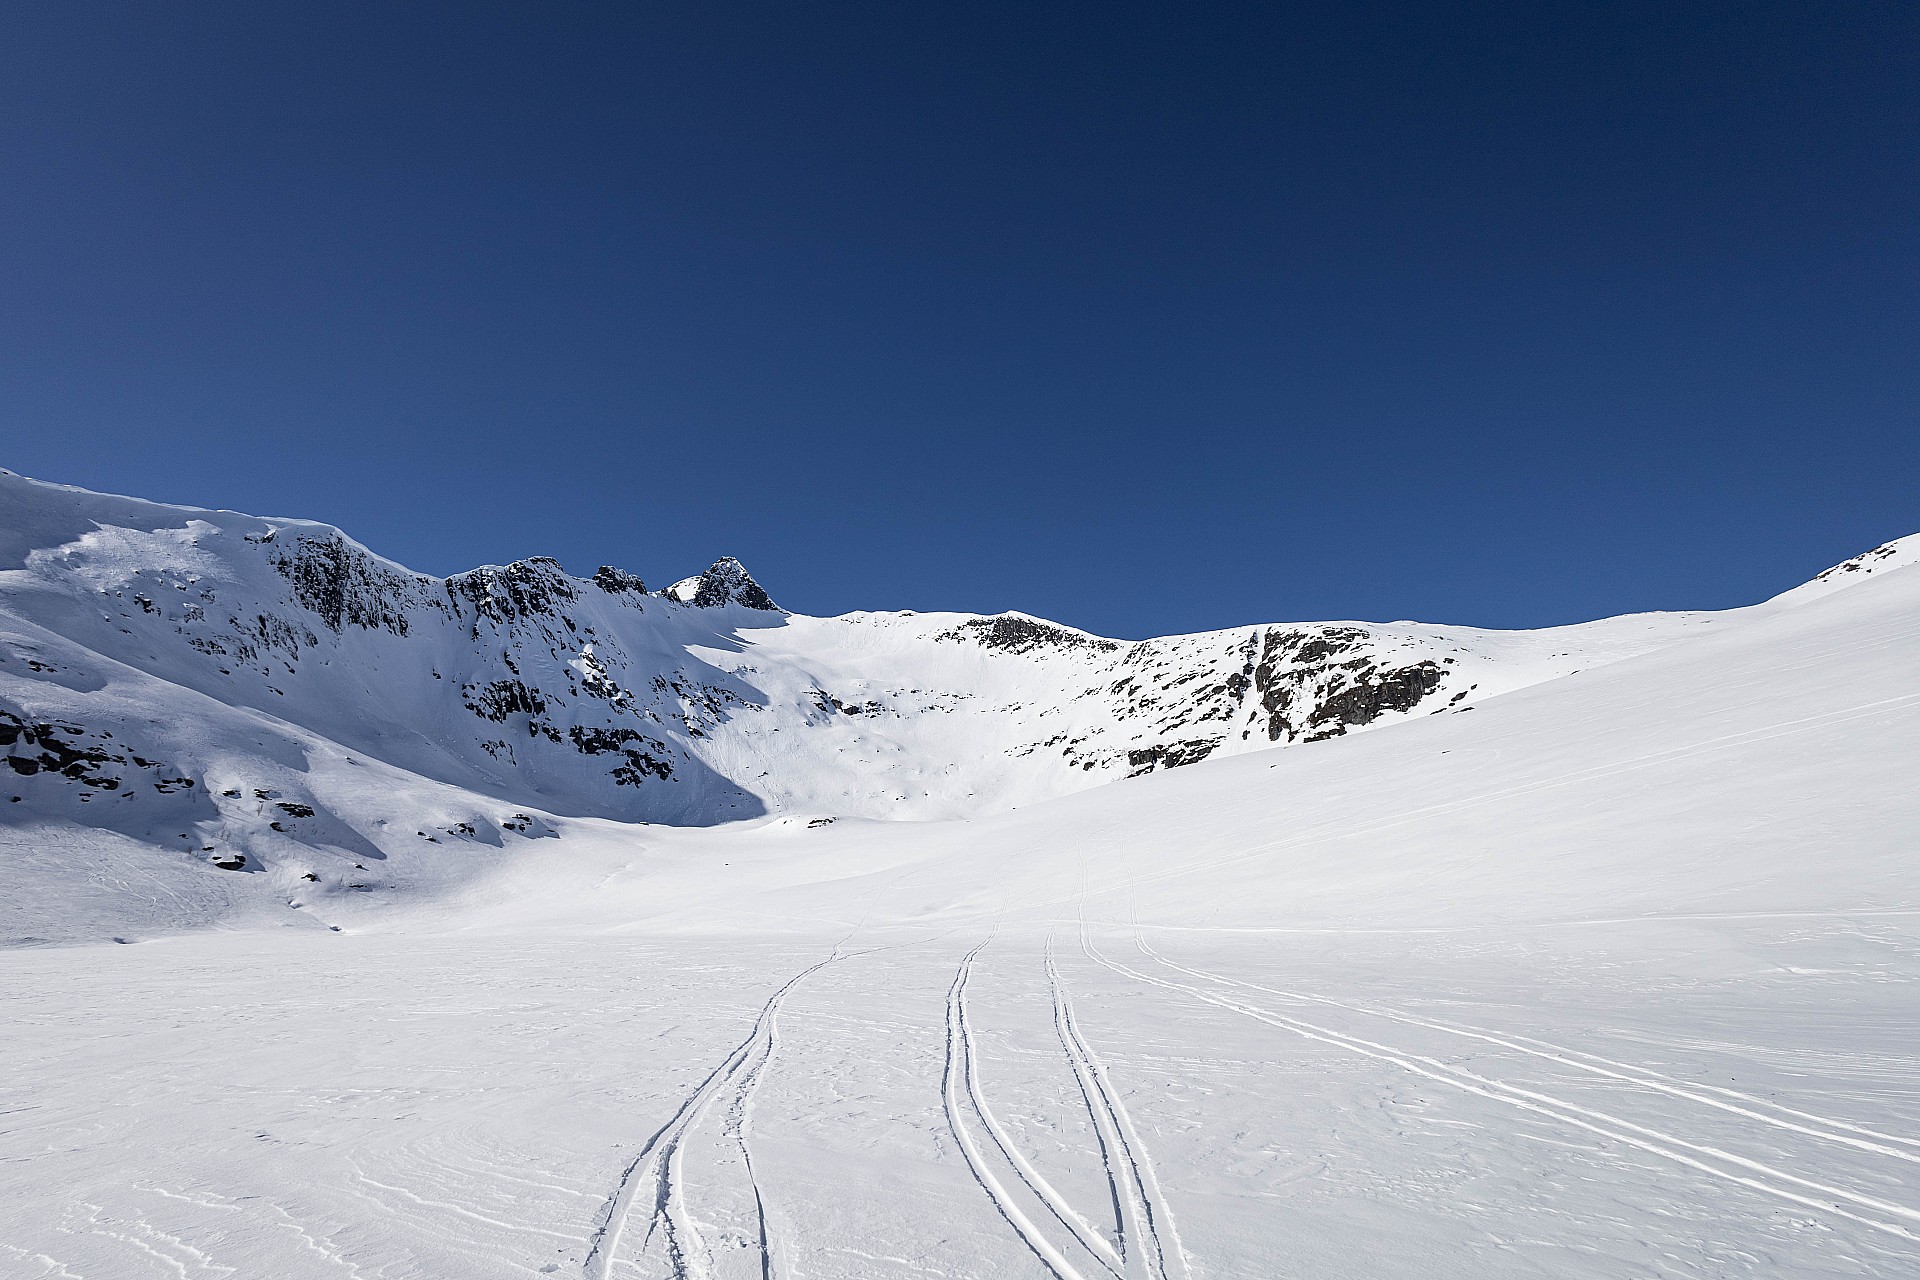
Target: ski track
(1834, 1131)
(961, 1075)
(1140, 1211)
(660, 1159)
(1757, 1176)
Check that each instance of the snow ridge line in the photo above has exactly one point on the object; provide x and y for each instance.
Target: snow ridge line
(660, 1157)
(1595, 1065)
(959, 1075)
(1651, 1141)
(1138, 1206)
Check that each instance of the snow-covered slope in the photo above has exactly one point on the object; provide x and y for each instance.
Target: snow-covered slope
(1614, 974)
(228, 692)
(188, 678)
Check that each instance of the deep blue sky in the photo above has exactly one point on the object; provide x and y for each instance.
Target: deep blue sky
(1147, 318)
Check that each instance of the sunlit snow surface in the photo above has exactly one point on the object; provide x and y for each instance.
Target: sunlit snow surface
(1617, 975)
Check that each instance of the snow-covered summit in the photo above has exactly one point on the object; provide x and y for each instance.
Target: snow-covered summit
(1888, 556)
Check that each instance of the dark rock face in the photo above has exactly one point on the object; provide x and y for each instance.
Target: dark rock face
(618, 581)
(346, 586)
(638, 750)
(56, 747)
(1169, 755)
(725, 582)
(63, 752)
(532, 588)
(1865, 562)
(1316, 684)
(1372, 694)
(498, 699)
(1011, 633)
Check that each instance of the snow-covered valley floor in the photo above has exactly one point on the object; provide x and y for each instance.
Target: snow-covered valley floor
(1616, 974)
(1693, 1096)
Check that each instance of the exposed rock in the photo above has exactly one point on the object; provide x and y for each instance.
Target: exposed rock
(528, 588)
(1865, 562)
(1017, 633)
(1169, 755)
(618, 581)
(499, 699)
(638, 750)
(70, 751)
(1374, 693)
(725, 582)
(347, 586)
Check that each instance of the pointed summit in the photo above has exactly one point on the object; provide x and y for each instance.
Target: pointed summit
(725, 582)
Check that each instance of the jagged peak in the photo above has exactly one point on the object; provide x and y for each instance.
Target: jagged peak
(615, 581)
(726, 581)
(525, 588)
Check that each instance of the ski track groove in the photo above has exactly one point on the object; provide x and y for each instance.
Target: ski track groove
(1100, 1118)
(1621, 1131)
(960, 1063)
(1595, 1065)
(1138, 1206)
(661, 1156)
(1056, 1203)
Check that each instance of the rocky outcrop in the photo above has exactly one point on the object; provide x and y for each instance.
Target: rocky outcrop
(618, 581)
(532, 588)
(725, 582)
(1317, 683)
(345, 585)
(1017, 633)
(62, 760)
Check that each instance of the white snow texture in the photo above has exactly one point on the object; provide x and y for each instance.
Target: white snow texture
(360, 923)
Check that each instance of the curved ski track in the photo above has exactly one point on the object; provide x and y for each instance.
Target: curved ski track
(1770, 1180)
(659, 1161)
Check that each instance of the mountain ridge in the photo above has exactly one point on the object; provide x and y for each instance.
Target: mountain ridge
(252, 693)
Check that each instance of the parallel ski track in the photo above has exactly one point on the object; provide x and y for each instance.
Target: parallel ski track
(659, 1161)
(1711, 1161)
(1839, 1132)
(961, 1080)
(1144, 1223)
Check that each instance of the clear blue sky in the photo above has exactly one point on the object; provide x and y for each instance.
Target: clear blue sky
(1145, 317)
